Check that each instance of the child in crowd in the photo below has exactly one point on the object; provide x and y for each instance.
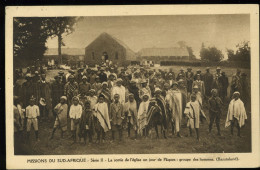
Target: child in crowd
(192, 111)
(116, 117)
(61, 111)
(32, 115)
(102, 123)
(75, 115)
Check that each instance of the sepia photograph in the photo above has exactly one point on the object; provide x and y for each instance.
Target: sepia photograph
(132, 84)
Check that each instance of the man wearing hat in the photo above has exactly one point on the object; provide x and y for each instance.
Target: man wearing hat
(216, 83)
(215, 105)
(189, 79)
(223, 80)
(174, 99)
(27, 90)
(62, 77)
(144, 89)
(135, 91)
(102, 75)
(245, 90)
(198, 72)
(80, 75)
(70, 72)
(92, 77)
(198, 82)
(44, 92)
(84, 86)
(119, 89)
(142, 115)
(181, 75)
(208, 82)
(97, 85)
(236, 82)
(56, 91)
(162, 105)
(111, 80)
(71, 89)
(236, 115)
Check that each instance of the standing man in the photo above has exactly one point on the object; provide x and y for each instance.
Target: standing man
(102, 76)
(119, 89)
(84, 87)
(216, 83)
(236, 82)
(181, 75)
(116, 117)
(56, 91)
(174, 99)
(144, 89)
(189, 79)
(45, 96)
(215, 104)
(208, 81)
(71, 89)
(224, 85)
(236, 115)
(198, 82)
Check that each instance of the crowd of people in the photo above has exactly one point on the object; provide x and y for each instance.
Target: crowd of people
(90, 102)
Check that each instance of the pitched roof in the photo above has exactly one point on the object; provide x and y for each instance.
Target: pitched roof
(175, 51)
(65, 51)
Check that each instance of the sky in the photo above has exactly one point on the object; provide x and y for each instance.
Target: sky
(137, 32)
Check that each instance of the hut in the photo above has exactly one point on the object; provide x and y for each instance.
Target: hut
(107, 47)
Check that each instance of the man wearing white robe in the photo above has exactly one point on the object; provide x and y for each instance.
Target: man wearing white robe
(192, 111)
(119, 89)
(174, 99)
(142, 115)
(236, 113)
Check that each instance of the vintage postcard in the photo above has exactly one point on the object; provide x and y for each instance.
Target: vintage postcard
(140, 86)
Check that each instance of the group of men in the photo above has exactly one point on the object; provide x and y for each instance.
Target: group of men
(94, 101)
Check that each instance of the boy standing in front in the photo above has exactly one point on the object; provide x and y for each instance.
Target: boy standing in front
(75, 115)
(32, 114)
(116, 116)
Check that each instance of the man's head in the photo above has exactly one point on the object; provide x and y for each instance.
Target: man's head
(71, 78)
(166, 86)
(223, 73)
(174, 85)
(119, 82)
(75, 100)
(143, 83)
(131, 97)
(84, 79)
(193, 97)
(238, 71)
(32, 101)
(153, 101)
(92, 92)
(218, 69)
(87, 104)
(57, 78)
(43, 76)
(63, 99)
(214, 92)
(104, 85)
(236, 95)
(207, 69)
(189, 69)
(198, 76)
(116, 98)
(157, 92)
(97, 79)
(145, 98)
(101, 99)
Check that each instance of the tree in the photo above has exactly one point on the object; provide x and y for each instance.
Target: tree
(59, 26)
(211, 54)
(191, 55)
(182, 44)
(29, 40)
(242, 53)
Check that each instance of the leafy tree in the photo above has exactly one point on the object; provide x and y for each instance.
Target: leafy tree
(59, 26)
(211, 54)
(242, 53)
(191, 55)
(29, 40)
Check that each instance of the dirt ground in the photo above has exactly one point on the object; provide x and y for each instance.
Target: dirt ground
(209, 143)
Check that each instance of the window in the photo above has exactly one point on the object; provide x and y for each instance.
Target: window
(93, 56)
(116, 56)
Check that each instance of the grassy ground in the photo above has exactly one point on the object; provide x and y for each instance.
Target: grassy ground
(209, 143)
